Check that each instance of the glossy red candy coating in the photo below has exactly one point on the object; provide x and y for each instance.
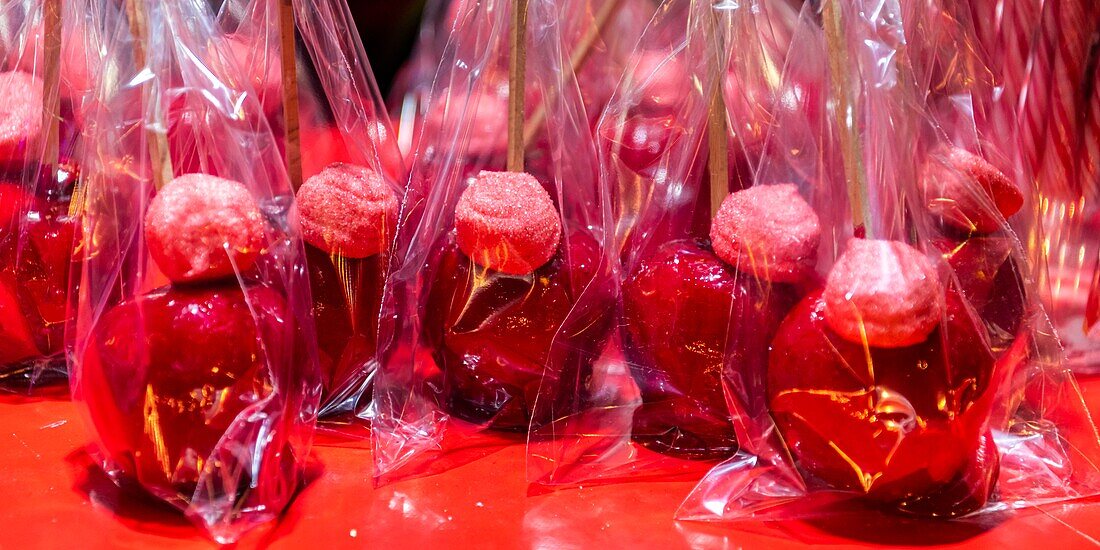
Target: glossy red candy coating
(885, 293)
(689, 318)
(968, 192)
(202, 228)
(347, 298)
(990, 279)
(492, 332)
(643, 140)
(347, 210)
(899, 425)
(166, 374)
(37, 258)
(507, 222)
(968, 491)
(20, 117)
(769, 231)
(16, 341)
(46, 263)
(12, 202)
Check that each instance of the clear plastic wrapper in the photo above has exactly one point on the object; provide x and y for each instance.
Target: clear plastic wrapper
(599, 34)
(1054, 74)
(502, 283)
(354, 179)
(691, 314)
(407, 100)
(40, 144)
(194, 362)
(348, 285)
(251, 31)
(918, 374)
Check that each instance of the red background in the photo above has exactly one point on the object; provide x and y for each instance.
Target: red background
(54, 497)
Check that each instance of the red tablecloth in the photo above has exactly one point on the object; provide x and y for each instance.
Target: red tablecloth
(52, 496)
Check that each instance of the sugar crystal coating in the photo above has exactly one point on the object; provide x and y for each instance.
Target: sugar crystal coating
(347, 210)
(768, 231)
(884, 293)
(507, 222)
(201, 228)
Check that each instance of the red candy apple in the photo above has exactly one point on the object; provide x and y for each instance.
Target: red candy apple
(973, 198)
(641, 141)
(167, 373)
(492, 331)
(503, 288)
(684, 309)
(13, 201)
(45, 264)
(697, 316)
(347, 215)
(16, 341)
(895, 412)
(347, 297)
(990, 279)
(37, 253)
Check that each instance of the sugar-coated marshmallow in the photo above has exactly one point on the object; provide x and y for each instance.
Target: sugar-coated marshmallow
(201, 227)
(347, 210)
(884, 293)
(768, 231)
(968, 192)
(507, 222)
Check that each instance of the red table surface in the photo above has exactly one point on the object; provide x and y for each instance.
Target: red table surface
(54, 497)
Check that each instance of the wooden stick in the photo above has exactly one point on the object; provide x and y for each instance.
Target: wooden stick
(856, 179)
(51, 99)
(157, 140)
(576, 61)
(717, 130)
(289, 58)
(517, 76)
